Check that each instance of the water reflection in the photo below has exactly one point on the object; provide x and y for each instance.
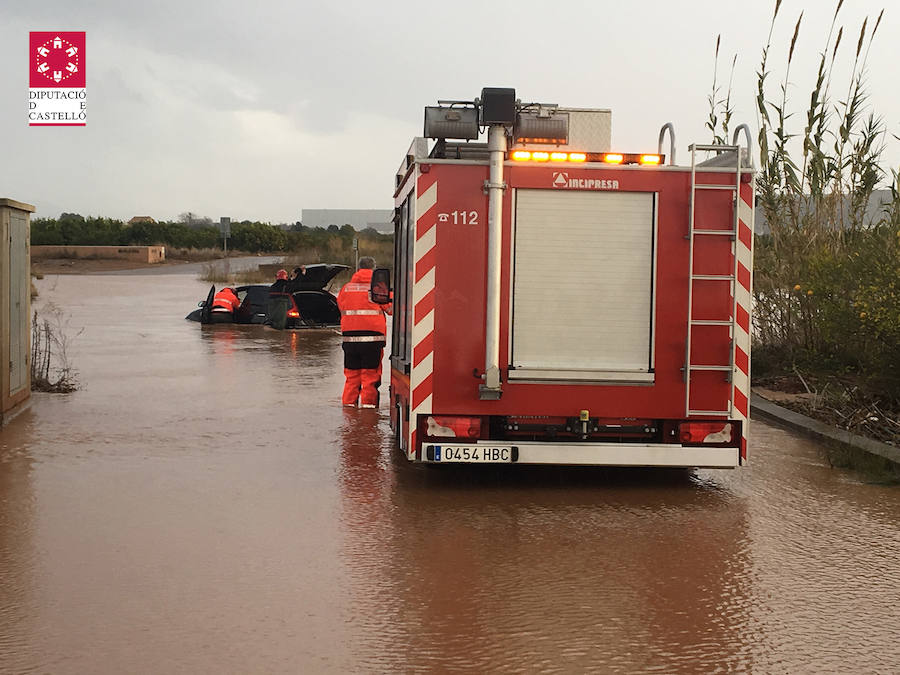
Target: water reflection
(204, 503)
(312, 344)
(18, 554)
(557, 570)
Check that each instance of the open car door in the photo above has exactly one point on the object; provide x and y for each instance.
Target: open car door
(206, 311)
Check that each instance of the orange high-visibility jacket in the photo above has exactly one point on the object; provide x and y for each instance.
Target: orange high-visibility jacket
(358, 312)
(226, 300)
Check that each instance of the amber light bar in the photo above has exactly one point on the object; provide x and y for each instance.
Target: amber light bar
(544, 156)
(603, 157)
(629, 158)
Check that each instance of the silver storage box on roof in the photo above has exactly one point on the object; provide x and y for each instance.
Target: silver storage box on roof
(589, 130)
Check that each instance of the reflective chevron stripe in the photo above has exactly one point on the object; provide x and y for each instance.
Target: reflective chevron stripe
(743, 293)
(421, 376)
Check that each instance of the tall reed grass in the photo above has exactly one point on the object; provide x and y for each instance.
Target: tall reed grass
(826, 273)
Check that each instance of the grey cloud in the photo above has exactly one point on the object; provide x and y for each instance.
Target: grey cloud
(259, 109)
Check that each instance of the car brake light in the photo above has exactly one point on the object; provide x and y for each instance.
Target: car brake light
(445, 426)
(706, 432)
(293, 313)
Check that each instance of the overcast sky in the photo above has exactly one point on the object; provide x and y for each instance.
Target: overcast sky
(260, 109)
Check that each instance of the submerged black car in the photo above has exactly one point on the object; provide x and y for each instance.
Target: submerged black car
(306, 301)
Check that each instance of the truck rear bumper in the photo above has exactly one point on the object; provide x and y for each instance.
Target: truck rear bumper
(582, 454)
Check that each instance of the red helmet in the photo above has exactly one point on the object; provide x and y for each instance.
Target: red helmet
(282, 274)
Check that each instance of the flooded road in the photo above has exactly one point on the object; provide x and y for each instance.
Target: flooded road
(204, 504)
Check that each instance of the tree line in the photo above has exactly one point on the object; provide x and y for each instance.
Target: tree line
(72, 229)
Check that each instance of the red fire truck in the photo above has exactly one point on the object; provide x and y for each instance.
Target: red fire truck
(558, 301)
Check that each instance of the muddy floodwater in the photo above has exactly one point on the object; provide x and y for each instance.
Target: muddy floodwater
(204, 504)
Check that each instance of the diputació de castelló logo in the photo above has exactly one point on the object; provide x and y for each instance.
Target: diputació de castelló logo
(57, 78)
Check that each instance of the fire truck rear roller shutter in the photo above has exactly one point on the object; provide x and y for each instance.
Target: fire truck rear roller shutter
(582, 287)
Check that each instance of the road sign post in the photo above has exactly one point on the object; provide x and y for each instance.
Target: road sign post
(225, 228)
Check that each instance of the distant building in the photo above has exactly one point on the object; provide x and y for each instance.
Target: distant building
(141, 219)
(360, 219)
(878, 202)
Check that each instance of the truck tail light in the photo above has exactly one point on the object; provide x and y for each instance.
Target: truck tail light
(707, 433)
(447, 426)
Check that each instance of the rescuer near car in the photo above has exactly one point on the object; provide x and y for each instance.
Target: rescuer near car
(299, 274)
(279, 302)
(280, 284)
(363, 329)
(225, 304)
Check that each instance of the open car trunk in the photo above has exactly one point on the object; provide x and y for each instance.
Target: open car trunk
(317, 308)
(315, 278)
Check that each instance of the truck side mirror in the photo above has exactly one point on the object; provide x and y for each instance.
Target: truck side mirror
(380, 290)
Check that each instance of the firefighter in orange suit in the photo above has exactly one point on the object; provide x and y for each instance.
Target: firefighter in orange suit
(363, 327)
(225, 304)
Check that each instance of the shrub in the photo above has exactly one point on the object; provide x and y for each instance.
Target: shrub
(51, 370)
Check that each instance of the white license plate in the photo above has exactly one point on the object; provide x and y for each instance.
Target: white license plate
(497, 454)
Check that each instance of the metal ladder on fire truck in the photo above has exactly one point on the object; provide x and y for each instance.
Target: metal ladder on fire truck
(697, 231)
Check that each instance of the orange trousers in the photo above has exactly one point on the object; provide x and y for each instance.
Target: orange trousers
(361, 384)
